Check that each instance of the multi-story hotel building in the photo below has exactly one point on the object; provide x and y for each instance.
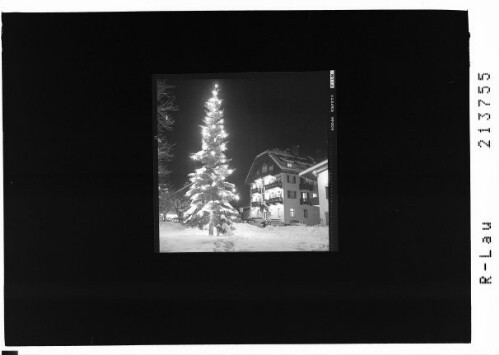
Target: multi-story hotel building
(278, 193)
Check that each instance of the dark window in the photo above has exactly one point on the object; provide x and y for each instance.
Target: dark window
(305, 213)
(271, 168)
(264, 168)
(294, 179)
(291, 194)
(327, 192)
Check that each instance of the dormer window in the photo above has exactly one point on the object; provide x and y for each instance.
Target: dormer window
(290, 165)
(264, 168)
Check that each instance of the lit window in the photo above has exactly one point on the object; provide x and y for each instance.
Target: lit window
(305, 213)
(264, 168)
(290, 165)
(314, 194)
(304, 196)
(292, 212)
(271, 168)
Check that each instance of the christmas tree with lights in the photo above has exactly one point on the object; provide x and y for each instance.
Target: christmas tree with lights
(210, 194)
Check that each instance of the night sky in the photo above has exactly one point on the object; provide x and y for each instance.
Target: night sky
(261, 111)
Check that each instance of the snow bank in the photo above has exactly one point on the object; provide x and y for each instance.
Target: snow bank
(176, 238)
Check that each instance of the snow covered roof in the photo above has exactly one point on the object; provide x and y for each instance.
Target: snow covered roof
(315, 169)
(285, 160)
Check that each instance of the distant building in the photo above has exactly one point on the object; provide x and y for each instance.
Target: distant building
(278, 193)
(319, 172)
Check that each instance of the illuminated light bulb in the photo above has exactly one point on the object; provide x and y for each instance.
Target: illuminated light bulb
(213, 152)
(216, 85)
(214, 92)
(213, 126)
(222, 120)
(237, 197)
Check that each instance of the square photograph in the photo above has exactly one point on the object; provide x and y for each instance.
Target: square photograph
(244, 162)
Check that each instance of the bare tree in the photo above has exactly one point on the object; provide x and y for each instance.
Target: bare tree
(171, 200)
(165, 202)
(166, 106)
(179, 204)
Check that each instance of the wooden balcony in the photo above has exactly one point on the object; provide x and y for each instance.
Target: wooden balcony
(314, 201)
(274, 200)
(305, 201)
(306, 186)
(256, 189)
(273, 184)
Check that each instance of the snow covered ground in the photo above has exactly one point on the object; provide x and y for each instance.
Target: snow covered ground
(176, 238)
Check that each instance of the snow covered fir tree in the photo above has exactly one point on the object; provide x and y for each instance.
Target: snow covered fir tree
(210, 193)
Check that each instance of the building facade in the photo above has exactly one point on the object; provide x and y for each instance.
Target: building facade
(278, 193)
(319, 172)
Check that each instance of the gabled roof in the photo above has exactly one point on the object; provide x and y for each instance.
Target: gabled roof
(315, 169)
(282, 158)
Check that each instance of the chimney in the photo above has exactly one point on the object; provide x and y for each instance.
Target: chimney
(295, 150)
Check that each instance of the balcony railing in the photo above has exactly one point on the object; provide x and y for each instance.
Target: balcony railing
(314, 201)
(254, 190)
(274, 200)
(306, 186)
(273, 184)
(255, 204)
(305, 201)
